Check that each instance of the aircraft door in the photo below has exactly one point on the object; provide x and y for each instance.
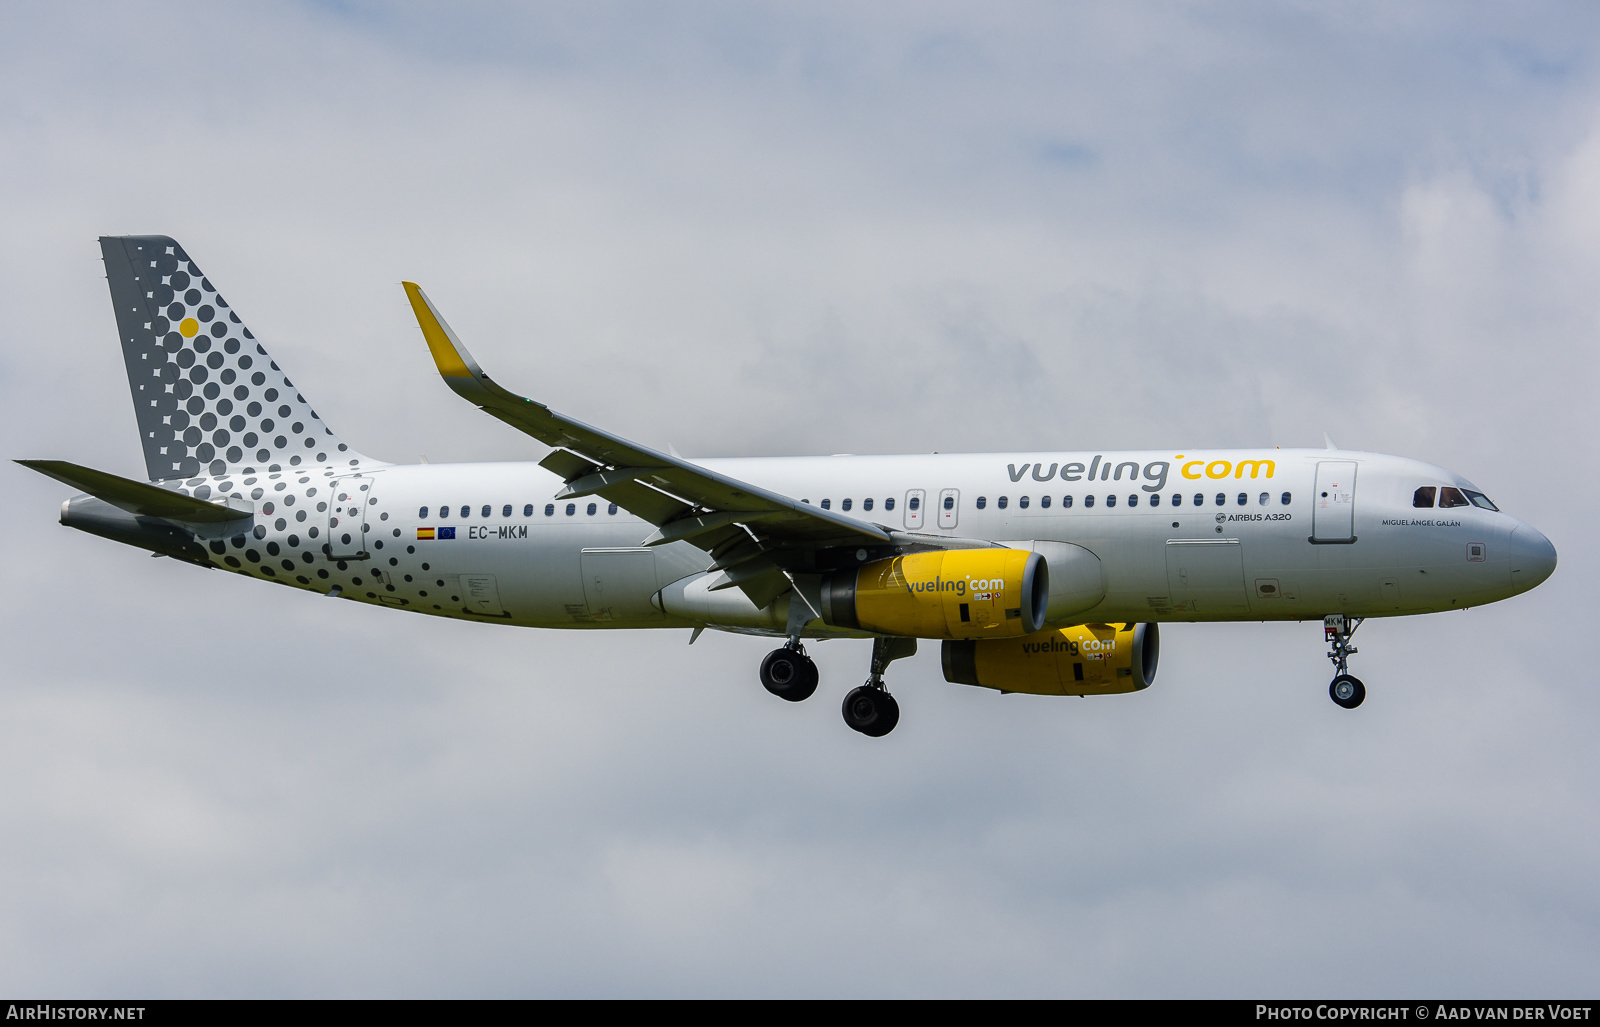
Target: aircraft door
(1333, 509)
(347, 517)
(618, 584)
(949, 507)
(914, 499)
(1206, 576)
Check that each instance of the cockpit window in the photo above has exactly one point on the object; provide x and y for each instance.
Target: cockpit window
(1480, 500)
(1422, 499)
(1449, 497)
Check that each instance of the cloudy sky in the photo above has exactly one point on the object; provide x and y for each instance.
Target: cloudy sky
(785, 229)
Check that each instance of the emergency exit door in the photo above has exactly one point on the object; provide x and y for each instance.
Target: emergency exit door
(914, 500)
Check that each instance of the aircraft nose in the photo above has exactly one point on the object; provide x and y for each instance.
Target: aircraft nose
(1533, 558)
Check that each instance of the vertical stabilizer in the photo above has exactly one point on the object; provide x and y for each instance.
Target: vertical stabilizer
(208, 397)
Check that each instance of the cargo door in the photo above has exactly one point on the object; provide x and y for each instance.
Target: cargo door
(347, 517)
(949, 507)
(618, 584)
(1333, 504)
(1206, 576)
(914, 500)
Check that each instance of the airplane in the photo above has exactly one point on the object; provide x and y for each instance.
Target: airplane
(1045, 573)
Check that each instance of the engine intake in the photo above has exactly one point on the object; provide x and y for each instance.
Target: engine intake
(1088, 659)
(955, 593)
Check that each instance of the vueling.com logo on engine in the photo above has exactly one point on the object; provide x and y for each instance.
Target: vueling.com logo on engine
(1056, 644)
(960, 586)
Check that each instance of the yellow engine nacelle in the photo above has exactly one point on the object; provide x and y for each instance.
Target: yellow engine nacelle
(948, 593)
(1090, 659)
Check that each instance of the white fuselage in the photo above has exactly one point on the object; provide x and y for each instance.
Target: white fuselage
(1201, 535)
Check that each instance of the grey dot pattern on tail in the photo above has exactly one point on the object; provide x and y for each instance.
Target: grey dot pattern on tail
(209, 397)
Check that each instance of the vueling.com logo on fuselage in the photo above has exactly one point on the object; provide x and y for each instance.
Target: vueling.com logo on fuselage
(1153, 474)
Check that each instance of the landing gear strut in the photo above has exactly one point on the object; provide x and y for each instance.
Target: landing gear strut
(789, 673)
(870, 709)
(1346, 690)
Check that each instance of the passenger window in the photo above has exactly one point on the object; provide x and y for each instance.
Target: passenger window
(549, 509)
(950, 502)
(827, 504)
(1111, 500)
(1422, 499)
(1044, 501)
(1088, 501)
(592, 509)
(612, 509)
(888, 504)
(572, 508)
(983, 501)
(527, 511)
(1480, 500)
(1222, 500)
(444, 511)
(486, 509)
(1001, 502)
(1263, 500)
(916, 502)
(845, 505)
(1199, 500)
(505, 511)
(1244, 498)
(1023, 502)
(422, 514)
(1285, 498)
(1449, 497)
(866, 504)
(1133, 500)
(1066, 502)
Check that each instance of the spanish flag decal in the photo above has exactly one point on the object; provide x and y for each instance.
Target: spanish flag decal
(424, 533)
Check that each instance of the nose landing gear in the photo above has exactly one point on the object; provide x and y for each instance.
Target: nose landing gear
(870, 709)
(1345, 690)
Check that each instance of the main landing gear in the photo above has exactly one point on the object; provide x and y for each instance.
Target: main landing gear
(870, 709)
(789, 673)
(1346, 690)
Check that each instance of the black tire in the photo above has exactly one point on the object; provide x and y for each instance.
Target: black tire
(871, 711)
(789, 675)
(1347, 691)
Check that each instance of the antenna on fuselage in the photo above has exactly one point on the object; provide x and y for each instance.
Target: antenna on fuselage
(1328, 441)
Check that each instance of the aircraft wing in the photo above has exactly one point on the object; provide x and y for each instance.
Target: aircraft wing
(752, 532)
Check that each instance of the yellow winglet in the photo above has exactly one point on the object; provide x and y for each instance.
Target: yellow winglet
(451, 357)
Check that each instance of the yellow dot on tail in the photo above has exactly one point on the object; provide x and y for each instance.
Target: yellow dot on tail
(188, 327)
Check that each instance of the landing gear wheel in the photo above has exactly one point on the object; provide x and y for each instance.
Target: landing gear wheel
(1347, 691)
(871, 711)
(789, 674)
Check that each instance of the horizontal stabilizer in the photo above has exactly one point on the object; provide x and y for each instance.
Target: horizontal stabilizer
(139, 497)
